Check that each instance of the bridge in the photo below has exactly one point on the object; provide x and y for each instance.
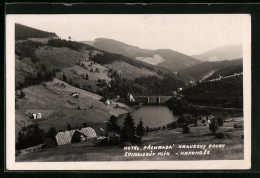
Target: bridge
(152, 99)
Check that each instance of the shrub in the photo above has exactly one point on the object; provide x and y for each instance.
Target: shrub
(214, 126)
(22, 94)
(147, 129)
(172, 125)
(220, 120)
(185, 129)
(195, 122)
(103, 99)
(186, 119)
(69, 127)
(51, 133)
(220, 135)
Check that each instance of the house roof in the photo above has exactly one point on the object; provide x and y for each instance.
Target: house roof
(64, 137)
(89, 132)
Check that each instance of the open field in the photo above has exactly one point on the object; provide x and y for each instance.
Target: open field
(77, 74)
(59, 108)
(200, 135)
(129, 71)
(54, 57)
(40, 40)
(154, 60)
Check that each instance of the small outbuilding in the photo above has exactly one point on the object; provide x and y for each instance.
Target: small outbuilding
(108, 102)
(75, 94)
(37, 115)
(179, 89)
(130, 97)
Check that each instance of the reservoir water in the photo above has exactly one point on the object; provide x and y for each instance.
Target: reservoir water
(154, 115)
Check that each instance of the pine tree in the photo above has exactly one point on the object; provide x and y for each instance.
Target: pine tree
(35, 136)
(128, 131)
(64, 78)
(21, 141)
(69, 127)
(214, 125)
(147, 129)
(70, 82)
(52, 133)
(112, 126)
(140, 130)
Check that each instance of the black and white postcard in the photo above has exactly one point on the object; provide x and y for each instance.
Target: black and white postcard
(128, 92)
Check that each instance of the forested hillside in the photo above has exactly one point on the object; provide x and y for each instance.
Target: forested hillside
(23, 32)
(91, 69)
(144, 86)
(227, 71)
(206, 69)
(226, 92)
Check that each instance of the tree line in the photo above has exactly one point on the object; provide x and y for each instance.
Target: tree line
(128, 132)
(27, 49)
(64, 43)
(147, 86)
(43, 75)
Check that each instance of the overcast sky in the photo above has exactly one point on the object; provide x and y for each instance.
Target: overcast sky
(188, 34)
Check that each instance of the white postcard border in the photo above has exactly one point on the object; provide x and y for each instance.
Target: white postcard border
(124, 165)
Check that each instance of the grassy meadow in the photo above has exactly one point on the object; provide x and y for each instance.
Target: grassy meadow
(199, 135)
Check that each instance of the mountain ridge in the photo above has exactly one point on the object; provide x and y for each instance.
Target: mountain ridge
(227, 52)
(173, 60)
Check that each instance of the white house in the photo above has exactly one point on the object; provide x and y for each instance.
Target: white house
(131, 97)
(179, 89)
(37, 115)
(108, 102)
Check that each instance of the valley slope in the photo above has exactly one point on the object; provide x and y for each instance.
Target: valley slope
(48, 70)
